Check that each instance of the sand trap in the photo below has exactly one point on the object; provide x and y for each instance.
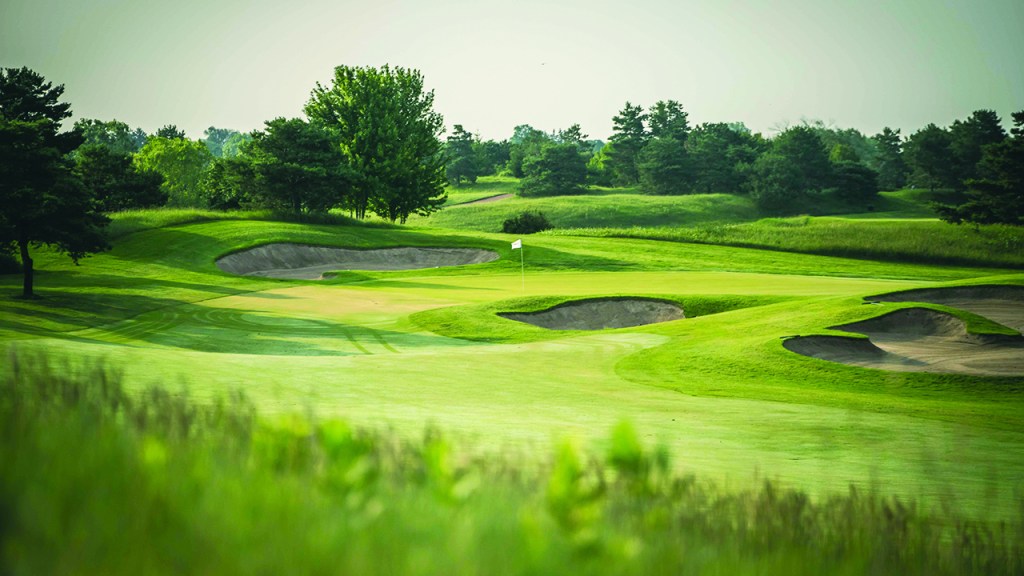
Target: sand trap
(300, 261)
(917, 340)
(600, 314)
(1002, 304)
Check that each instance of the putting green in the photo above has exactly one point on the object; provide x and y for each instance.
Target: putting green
(390, 349)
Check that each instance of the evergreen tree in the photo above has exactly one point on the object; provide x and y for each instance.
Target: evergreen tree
(930, 156)
(892, 169)
(462, 159)
(629, 137)
(42, 200)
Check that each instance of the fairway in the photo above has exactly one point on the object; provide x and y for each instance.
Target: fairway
(411, 349)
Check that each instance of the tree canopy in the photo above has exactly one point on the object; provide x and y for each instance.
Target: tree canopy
(298, 166)
(182, 163)
(389, 134)
(42, 200)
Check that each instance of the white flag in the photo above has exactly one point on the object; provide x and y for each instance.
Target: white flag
(517, 244)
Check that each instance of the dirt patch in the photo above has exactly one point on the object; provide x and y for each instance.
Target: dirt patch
(495, 198)
(301, 261)
(600, 314)
(917, 340)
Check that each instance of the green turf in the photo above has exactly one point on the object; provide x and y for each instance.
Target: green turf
(405, 349)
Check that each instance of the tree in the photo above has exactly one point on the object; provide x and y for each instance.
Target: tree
(490, 156)
(776, 184)
(233, 145)
(804, 149)
(667, 119)
(298, 166)
(850, 139)
(115, 183)
(182, 163)
(526, 142)
(968, 139)
(892, 169)
(462, 161)
(854, 182)
(114, 134)
(559, 169)
(930, 156)
(170, 131)
(629, 137)
(230, 183)
(664, 167)
(998, 196)
(599, 172)
(389, 134)
(717, 154)
(843, 153)
(42, 201)
(215, 138)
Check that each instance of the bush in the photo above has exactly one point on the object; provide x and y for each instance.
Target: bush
(526, 223)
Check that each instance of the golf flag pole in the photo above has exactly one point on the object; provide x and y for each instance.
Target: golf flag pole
(518, 245)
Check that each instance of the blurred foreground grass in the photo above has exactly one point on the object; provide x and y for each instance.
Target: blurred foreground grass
(94, 480)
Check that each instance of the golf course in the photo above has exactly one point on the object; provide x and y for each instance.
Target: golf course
(430, 347)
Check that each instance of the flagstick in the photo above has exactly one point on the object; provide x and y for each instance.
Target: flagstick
(522, 267)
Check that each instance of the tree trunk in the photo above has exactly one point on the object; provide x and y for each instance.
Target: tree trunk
(26, 265)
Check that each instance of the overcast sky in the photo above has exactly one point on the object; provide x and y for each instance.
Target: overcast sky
(230, 63)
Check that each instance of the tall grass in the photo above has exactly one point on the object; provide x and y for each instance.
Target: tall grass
(925, 242)
(98, 481)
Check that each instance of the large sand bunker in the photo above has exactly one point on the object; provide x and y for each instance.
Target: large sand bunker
(300, 261)
(1002, 304)
(600, 314)
(918, 340)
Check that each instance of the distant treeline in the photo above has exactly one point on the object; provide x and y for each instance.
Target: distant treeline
(657, 150)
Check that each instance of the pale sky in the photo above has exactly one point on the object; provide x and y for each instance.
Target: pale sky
(233, 64)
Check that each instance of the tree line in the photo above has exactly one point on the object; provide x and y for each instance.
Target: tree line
(659, 152)
(369, 143)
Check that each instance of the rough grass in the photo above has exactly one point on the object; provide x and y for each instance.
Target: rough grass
(96, 480)
(921, 241)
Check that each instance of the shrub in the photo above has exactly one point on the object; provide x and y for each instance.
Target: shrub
(526, 223)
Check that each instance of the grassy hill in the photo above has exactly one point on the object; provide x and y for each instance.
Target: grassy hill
(374, 358)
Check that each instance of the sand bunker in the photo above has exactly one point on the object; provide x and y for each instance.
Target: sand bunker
(600, 314)
(299, 261)
(918, 340)
(1002, 304)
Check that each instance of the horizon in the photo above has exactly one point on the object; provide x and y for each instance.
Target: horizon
(494, 66)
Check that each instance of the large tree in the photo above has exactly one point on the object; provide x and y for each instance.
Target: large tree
(462, 158)
(558, 169)
(667, 119)
(298, 166)
(805, 150)
(719, 152)
(215, 138)
(389, 133)
(115, 182)
(892, 168)
(629, 137)
(113, 134)
(929, 153)
(664, 167)
(42, 201)
(182, 163)
(997, 196)
(969, 137)
(526, 142)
